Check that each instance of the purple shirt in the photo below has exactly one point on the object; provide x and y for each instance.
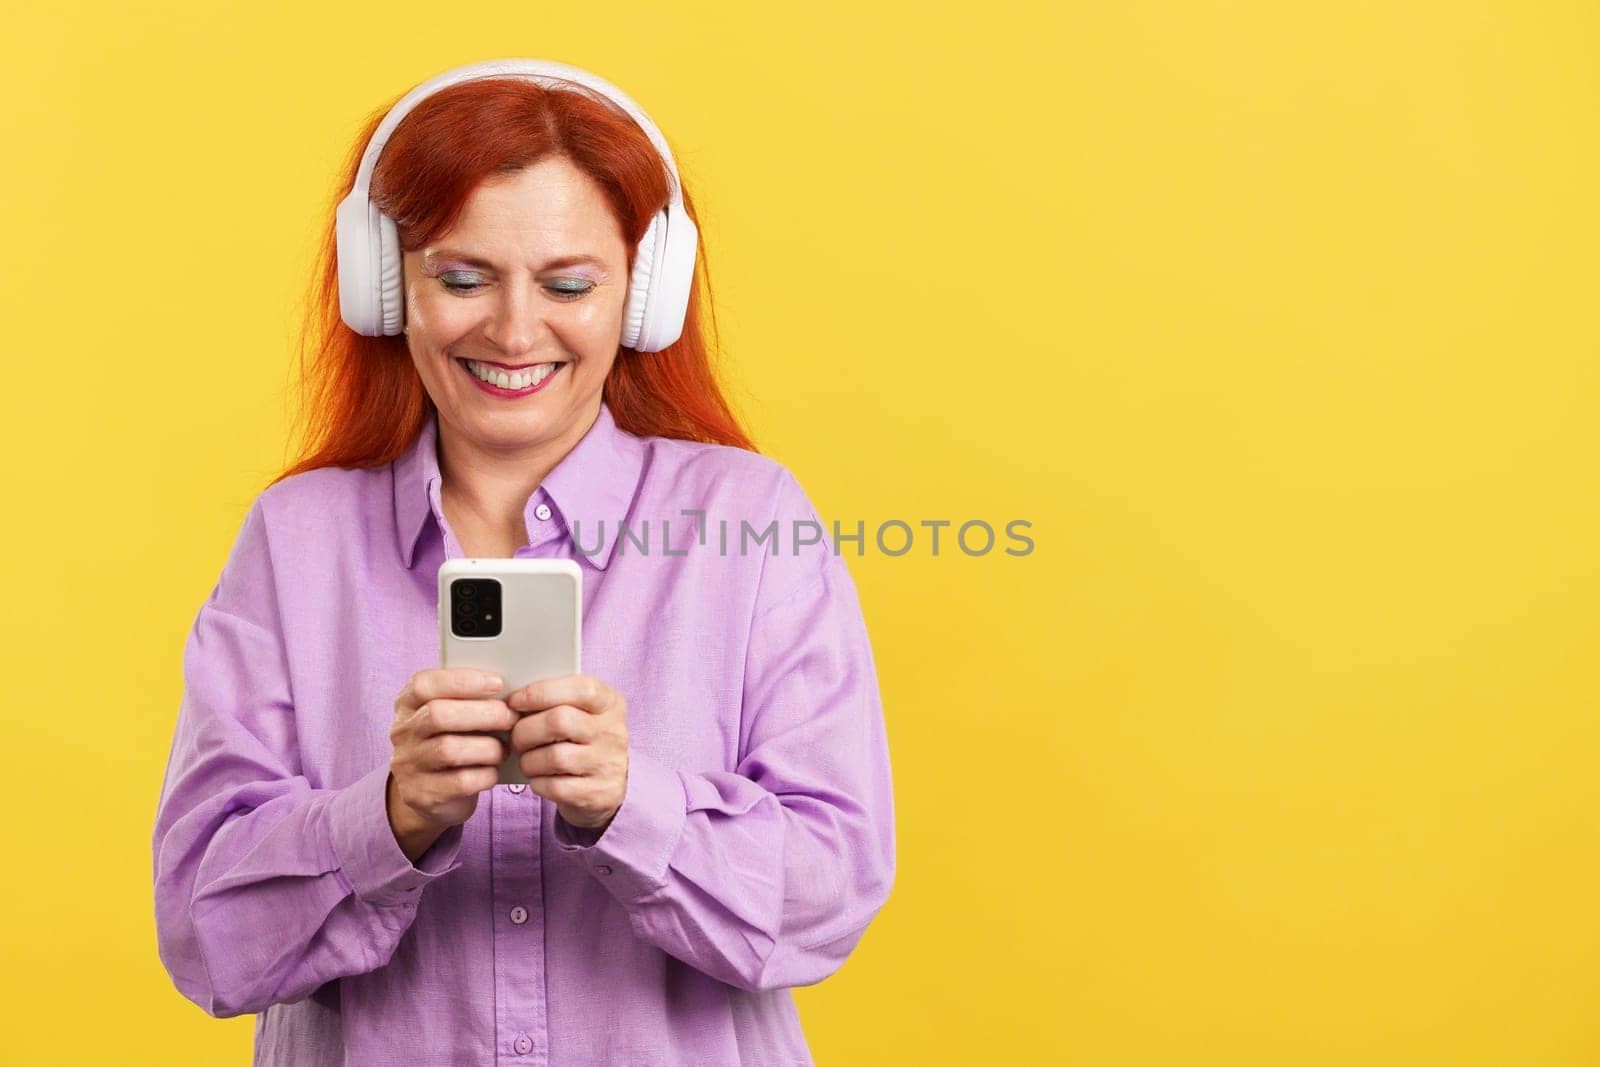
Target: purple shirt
(754, 843)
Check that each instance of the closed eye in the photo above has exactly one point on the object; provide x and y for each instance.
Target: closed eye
(458, 281)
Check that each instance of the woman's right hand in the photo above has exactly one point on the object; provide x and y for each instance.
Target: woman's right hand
(441, 763)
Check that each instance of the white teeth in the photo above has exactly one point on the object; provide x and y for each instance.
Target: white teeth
(514, 380)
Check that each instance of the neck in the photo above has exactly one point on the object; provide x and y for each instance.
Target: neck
(488, 486)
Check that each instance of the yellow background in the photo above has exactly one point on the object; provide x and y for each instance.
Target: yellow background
(1277, 321)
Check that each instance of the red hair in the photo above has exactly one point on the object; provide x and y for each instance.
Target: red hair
(362, 401)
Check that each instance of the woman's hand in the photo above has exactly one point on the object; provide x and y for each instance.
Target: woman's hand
(441, 761)
(573, 746)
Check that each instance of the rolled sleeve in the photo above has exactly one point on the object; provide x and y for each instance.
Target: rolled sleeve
(630, 857)
(378, 870)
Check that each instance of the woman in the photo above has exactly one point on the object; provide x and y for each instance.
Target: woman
(709, 819)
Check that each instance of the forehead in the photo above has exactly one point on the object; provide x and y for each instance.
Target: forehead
(538, 215)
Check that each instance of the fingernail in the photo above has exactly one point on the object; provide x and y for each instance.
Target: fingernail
(491, 681)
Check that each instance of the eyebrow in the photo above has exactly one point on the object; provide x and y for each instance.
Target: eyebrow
(473, 261)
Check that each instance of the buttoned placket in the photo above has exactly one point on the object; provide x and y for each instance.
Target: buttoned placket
(517, 893)
(516, 868)
(518, 877)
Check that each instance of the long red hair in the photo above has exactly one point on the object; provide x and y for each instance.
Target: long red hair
(362, 403)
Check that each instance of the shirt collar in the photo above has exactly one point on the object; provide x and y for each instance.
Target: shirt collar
(594, 482)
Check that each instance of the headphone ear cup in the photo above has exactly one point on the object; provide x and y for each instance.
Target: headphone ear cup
(671, 276)
(638, 302)
(391, 301)
(354, 241)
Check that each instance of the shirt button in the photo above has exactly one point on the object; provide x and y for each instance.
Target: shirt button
(542, 512)
(517, 787)
(523, 1044)
(519, 915)
(602, 868)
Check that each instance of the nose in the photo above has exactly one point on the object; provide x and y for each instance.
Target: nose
(517, 320)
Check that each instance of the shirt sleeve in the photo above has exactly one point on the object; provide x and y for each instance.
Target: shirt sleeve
(768, 875)
(265, 887)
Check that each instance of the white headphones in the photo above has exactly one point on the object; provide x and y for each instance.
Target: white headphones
(370, 300)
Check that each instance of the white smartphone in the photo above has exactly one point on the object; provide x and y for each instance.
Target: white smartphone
(520, 618)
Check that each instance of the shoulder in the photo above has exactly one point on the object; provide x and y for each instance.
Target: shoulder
(323, 501)
(752, 503)
(287, 511)
(747, 483)
(697, 461)
(297, 527)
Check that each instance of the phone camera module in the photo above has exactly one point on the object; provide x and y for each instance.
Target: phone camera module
(475, 607)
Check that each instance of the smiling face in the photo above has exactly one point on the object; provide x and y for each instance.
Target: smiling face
(526, 289)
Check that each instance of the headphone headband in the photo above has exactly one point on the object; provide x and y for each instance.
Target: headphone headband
(544, 72)
(368, 246)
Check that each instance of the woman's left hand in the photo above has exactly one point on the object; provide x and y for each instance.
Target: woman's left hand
(573, 746)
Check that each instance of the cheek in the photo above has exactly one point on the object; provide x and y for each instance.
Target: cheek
(433, 323)
(596, 327)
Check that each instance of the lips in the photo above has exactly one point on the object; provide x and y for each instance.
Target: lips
(510, 366)
(495, 390)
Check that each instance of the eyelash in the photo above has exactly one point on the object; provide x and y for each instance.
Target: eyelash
(565, 295)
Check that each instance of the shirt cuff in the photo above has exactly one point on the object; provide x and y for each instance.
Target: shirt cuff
(368, 854)
(630, 856)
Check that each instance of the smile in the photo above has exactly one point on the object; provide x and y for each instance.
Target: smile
(497, 381)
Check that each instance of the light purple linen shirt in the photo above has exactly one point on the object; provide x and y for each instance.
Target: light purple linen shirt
(754, 844)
